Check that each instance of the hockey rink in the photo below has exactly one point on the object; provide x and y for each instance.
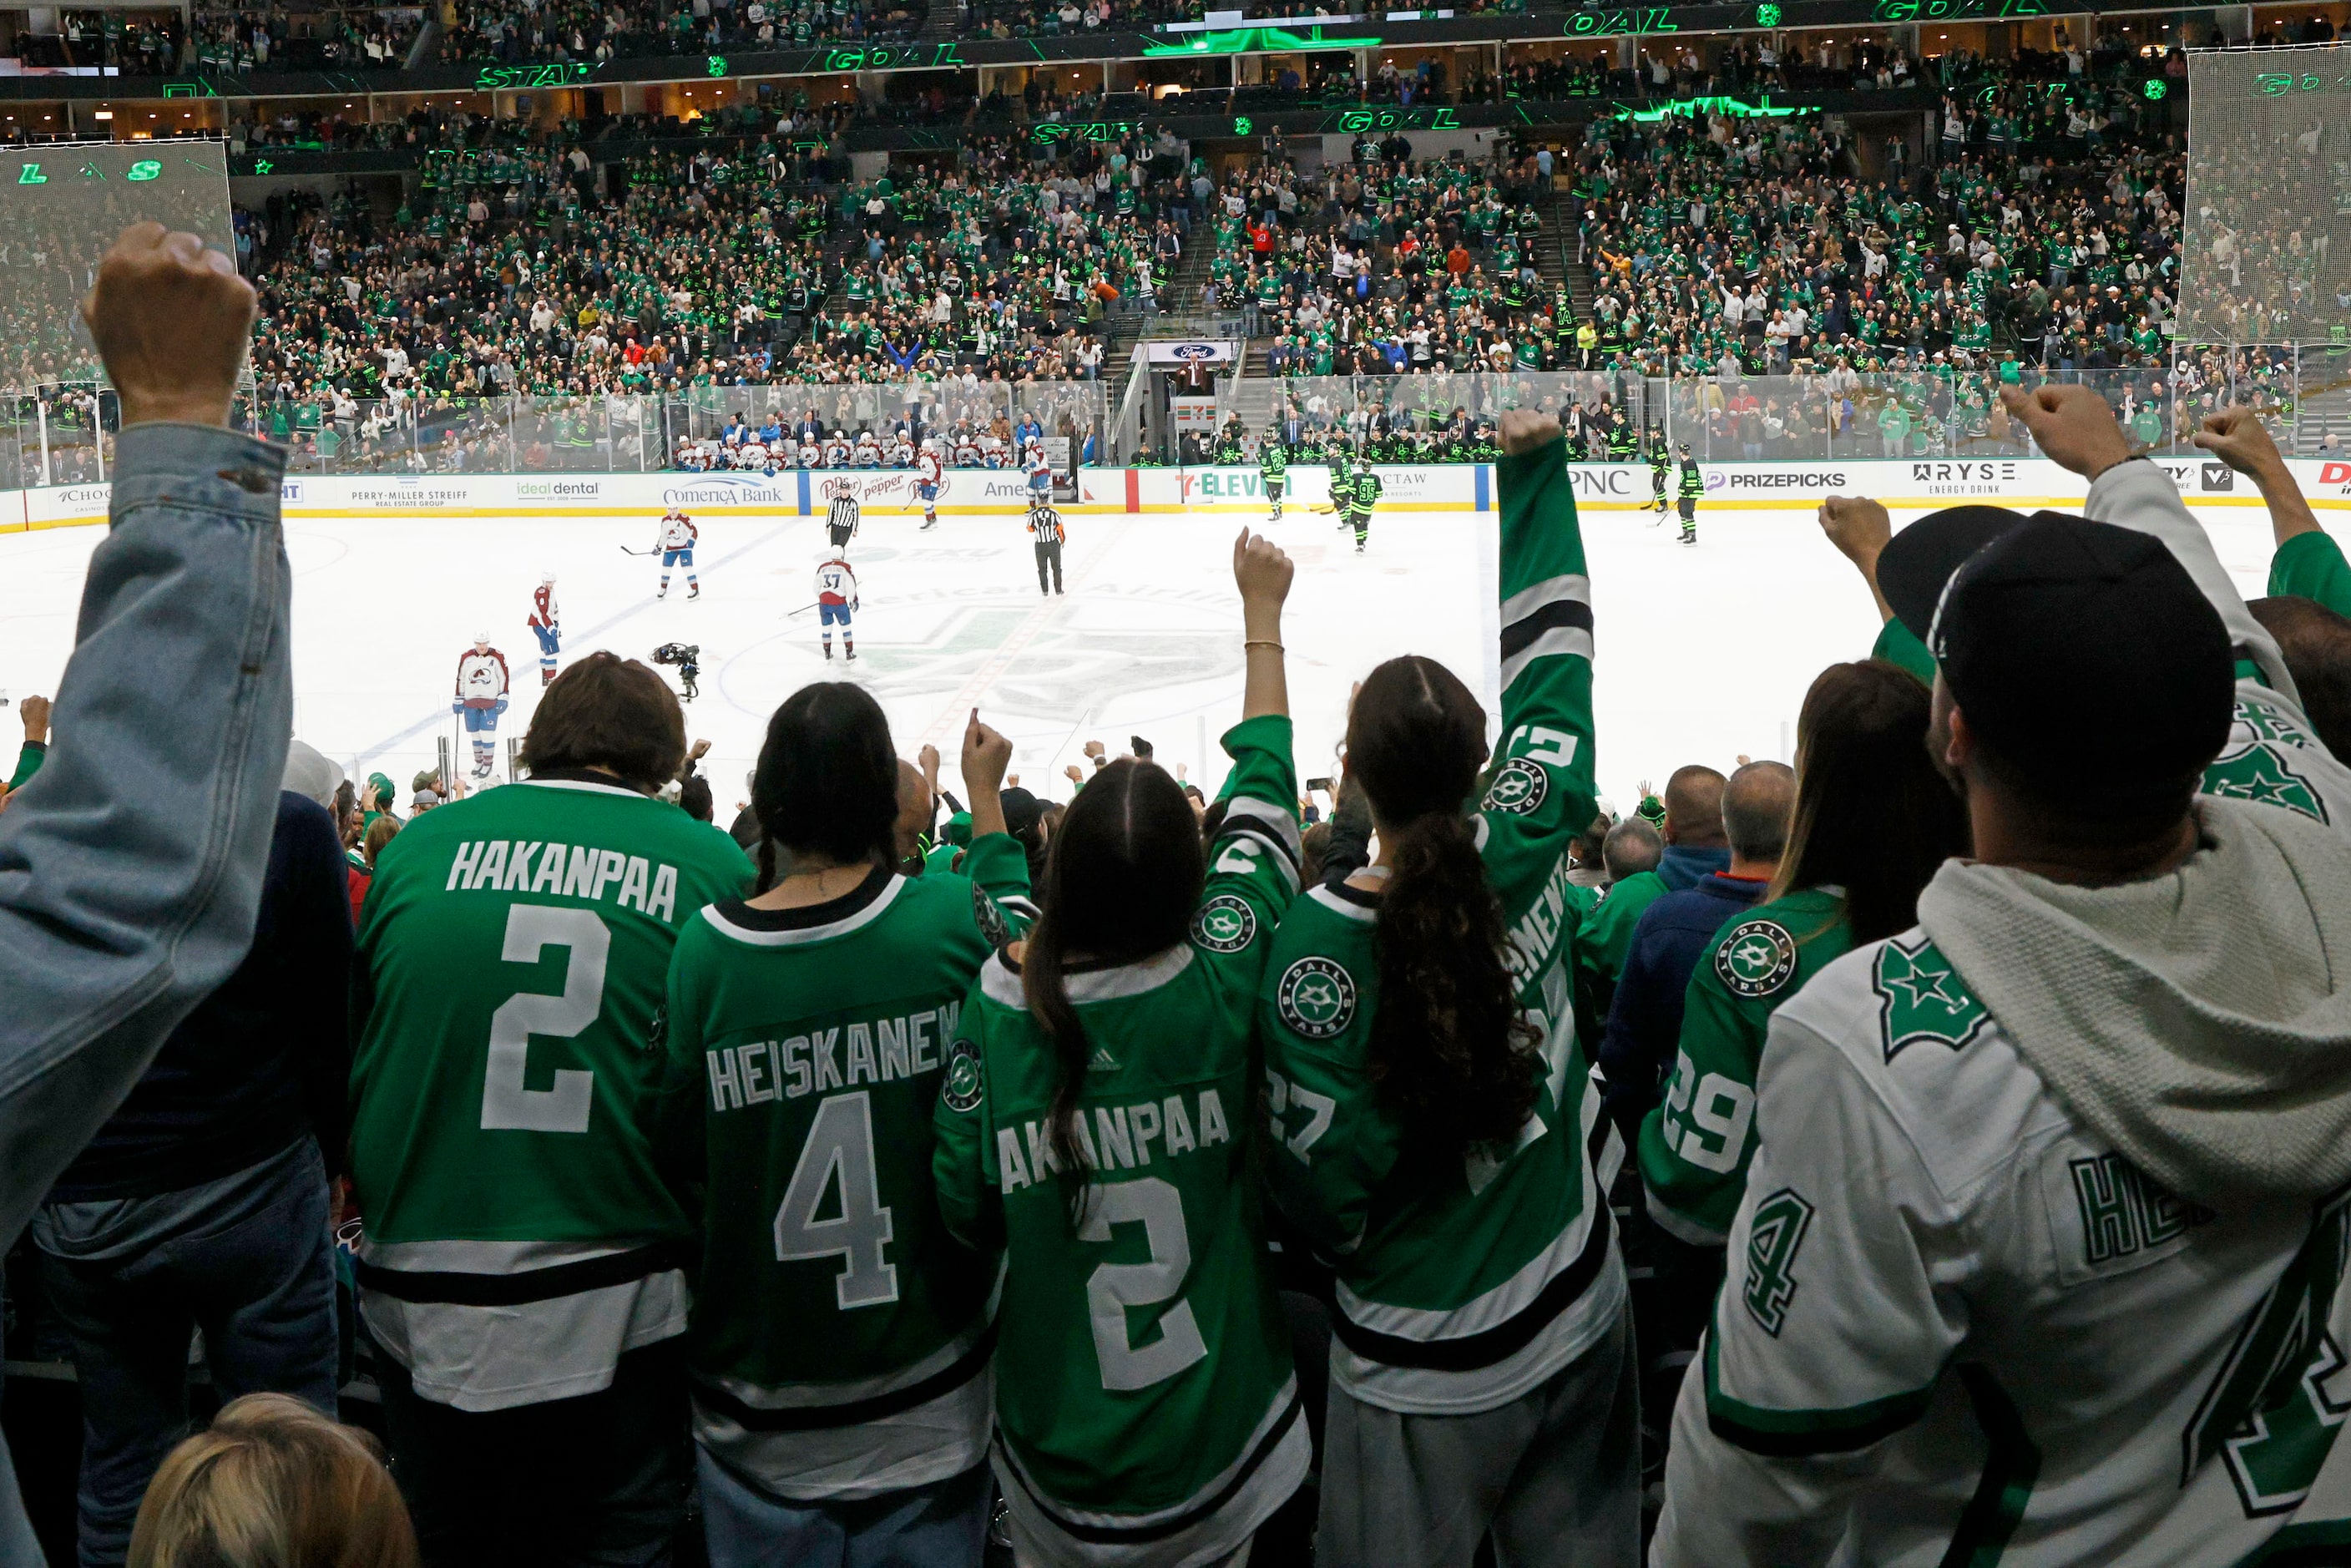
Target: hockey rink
(1703, 654)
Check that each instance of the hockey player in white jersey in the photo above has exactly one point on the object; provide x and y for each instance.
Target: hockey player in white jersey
(545, 626)
(481, 698)
(836, 601)
(676, 546)
(1041, 473)
(930, 476)
(2042, 1253)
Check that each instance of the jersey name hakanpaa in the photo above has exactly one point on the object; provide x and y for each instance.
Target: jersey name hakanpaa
(1144, 1393)
(511, 964)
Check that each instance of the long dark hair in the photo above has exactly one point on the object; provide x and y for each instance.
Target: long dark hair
(1873, 816)
(1121, 874)
(1451, 1049)
(828, 780)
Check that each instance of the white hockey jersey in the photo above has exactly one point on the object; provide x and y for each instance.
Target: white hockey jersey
(481, 678)
(678, 531)
(1958, 1327)
(928, 468)
(836, 583)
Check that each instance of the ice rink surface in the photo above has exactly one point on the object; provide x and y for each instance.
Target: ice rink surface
(1703, 654)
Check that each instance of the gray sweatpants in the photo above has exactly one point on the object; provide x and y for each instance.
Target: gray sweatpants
(1555, 1475)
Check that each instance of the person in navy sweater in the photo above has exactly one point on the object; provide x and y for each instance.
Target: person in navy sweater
(203, 1203)
(1644, 1020)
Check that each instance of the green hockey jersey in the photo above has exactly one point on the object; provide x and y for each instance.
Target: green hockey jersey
(1273, 458)
(1463, 1284)
(511, 964)
(1144, 1394)
(1363, 489)
(1696, 1144)
(840, 1336)
(1693, 482)
(1600, 947)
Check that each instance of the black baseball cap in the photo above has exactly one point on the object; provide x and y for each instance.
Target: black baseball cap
(2083, 653)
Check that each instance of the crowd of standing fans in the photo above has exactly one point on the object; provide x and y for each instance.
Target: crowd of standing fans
(1929, 1146)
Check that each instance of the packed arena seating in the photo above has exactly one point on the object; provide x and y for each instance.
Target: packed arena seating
(516, 31)
(322, 36)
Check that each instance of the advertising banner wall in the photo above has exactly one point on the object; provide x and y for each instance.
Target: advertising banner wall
(1903, 486)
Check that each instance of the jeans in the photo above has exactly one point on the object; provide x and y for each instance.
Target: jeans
(247, 1259)
(131, 873)
(943, 1525)
(597, 1480)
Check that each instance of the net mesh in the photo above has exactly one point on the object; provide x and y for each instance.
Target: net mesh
(2266, 255)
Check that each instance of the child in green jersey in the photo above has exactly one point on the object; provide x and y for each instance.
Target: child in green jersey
(1097, 1126)
(840, 1337)
(1436, 1131)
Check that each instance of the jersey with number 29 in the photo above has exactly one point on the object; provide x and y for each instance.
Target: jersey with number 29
(512, 959)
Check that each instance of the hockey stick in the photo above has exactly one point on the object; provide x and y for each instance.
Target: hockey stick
(626, 550)
(802, 610)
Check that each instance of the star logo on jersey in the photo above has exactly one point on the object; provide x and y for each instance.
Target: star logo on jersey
(1225, 923)
(1518, 788)
(1316, 997)
(1921, 997)
(965, 1085)
(988, 918)
(2257, 773)
(1756, 959)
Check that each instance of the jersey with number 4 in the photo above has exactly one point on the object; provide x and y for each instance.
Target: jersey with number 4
(511, 965)
(840, 1336)
(1959, 1327)
(1144, 1379)
(1463, 1283)
(1696, 1144)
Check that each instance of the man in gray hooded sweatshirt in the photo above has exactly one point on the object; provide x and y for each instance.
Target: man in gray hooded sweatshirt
(2042, 1255)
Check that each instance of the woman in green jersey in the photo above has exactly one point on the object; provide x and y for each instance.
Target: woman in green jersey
(1096, 1126)
(1873, 821)
(840, 1341)
(1434, 1125)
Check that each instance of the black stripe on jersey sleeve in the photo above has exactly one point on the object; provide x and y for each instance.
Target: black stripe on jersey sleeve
(1550, 617)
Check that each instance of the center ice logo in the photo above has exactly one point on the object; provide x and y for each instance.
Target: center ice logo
(1316, 997)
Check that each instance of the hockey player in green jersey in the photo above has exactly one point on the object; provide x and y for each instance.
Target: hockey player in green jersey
(1363, 494)
(1693, 485)
(1437, 1134)
(1872, 821)
(1660, 465)
(841, 1339)
(1097, 1125)
(1272, 467)
(523, 1271)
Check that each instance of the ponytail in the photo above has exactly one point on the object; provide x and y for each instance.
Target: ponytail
(1046, 991)
(1452, 1051)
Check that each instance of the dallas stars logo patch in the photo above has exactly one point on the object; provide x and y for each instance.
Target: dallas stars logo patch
(988, 918)
(1225, 924)
(965, 1083)
(1756, 959)
(1316, 997)
(2257, 773)
(1518, 789)
(1921, 997)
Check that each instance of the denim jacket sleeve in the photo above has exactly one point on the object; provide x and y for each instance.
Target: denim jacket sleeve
(131, 866)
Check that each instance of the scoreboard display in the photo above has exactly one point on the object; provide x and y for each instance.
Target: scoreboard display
(61, 205)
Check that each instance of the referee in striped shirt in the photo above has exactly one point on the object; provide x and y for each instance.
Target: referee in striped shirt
(1045, 524)
(840, 517)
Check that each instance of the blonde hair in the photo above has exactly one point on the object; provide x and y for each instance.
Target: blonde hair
(274, 1484)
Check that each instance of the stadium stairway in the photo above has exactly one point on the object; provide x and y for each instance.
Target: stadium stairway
(2323, 415)
(944, 22)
